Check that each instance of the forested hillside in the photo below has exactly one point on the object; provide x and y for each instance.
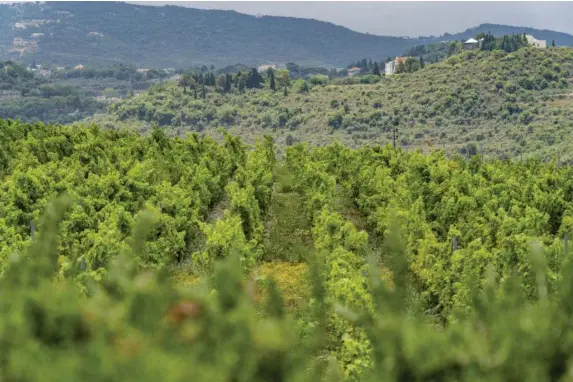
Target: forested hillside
(28, 97)
(111, 32)
(516, 104)
(15, 77)
(145, 258)
(64, 95)
(105, 33)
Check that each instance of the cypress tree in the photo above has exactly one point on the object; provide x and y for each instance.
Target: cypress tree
(228, 83)
(272, 80)
(421, 62)
(254, 79)
(552, 42)
(242, 84)
(376, 70)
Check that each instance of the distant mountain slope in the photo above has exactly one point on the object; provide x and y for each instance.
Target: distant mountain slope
(170, 36)
(101, 33)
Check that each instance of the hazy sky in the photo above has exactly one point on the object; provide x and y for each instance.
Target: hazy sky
(407, 18)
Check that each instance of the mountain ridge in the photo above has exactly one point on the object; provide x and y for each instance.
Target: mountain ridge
(103, 33)
(561, 38)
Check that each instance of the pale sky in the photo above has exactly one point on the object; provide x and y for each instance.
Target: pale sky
(406, 18)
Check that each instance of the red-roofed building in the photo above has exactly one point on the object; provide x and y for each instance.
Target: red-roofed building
(353, 71)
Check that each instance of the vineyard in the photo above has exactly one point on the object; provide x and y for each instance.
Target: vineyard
(145, 258)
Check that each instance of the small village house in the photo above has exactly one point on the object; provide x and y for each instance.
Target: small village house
(79, 67)
(264, 68)
(472, 44)
(18, 41)
(353, 71)
(532, 41)
(391, 66)
(400, 60)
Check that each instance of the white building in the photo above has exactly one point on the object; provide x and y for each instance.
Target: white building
(472, 44)
(264, 68)
(532, 41)
(389, 68)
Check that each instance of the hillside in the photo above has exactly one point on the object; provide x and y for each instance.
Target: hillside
(103, 33)
(500, 104)
(95, 33)
(30, 97)
(15, 78)
(66, 95)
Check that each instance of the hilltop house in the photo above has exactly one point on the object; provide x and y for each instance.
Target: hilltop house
(264, 68)
(353, 71)
(390, 66)
(532, 41)
(472, 44)
(79, 67)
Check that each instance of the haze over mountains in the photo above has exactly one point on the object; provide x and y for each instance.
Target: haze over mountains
(102, 33)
